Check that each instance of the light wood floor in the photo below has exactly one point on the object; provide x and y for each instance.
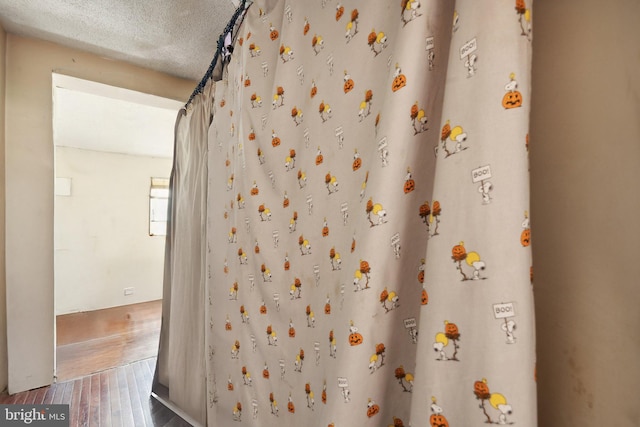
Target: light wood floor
(105, 365)
(93, 341)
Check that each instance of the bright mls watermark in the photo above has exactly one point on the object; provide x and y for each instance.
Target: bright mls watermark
(34, 415)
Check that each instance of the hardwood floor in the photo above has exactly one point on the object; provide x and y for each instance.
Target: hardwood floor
(93, 341)
(112, 398)
(105, 365)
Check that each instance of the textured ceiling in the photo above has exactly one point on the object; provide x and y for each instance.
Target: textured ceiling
(177, 37)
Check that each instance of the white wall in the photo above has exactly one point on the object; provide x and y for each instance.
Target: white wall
(29, 178)
(101, 231)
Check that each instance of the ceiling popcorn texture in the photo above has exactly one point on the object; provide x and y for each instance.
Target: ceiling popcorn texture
(176, 37)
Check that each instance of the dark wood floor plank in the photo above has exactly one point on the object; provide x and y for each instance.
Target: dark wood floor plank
(94, 401)
(143, 383)
(48, 396)
(134, 395)
(68, 392)
(114, 399)
(105, 401)
(85, 401)
(39, 397)
(126, 412)
(59, 393)
(74, 407)
(30, 397)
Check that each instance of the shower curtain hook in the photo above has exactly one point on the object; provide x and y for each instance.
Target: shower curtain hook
(224, 47)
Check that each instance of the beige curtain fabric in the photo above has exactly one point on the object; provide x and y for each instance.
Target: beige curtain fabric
(368, 242)
(180, 375)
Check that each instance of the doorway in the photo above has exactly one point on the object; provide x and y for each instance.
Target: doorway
(110, 145)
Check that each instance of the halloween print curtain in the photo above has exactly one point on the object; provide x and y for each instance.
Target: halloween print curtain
(367, 251)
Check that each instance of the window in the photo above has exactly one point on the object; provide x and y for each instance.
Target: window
(158, 206)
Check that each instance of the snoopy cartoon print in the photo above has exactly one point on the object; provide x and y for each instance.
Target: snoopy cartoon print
(365, 105)
(457, 135)
(506, 312)
(497, 400)
(377, 41)
(442, 339)
(472, 259)
(512, 98)
(409, 10)
(469, 56)
(437, 418)
(481, 176)
(376, 213)
(352, 25)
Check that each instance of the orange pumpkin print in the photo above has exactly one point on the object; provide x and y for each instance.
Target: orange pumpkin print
(372, 408)
(512, 100)
(451, 331)
(355, 338)
(409, 186)
(263, 309)
(348, 83)
(265, 373)
(306, 27)
(459, 253)
(357, 161)
(273, 33)
(275, 140)
(438, 420)
(399, 80)
(348, 86)
(424, 298)
(525, 237)
(481, 389)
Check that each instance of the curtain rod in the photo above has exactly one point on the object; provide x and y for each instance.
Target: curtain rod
(225, 36)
